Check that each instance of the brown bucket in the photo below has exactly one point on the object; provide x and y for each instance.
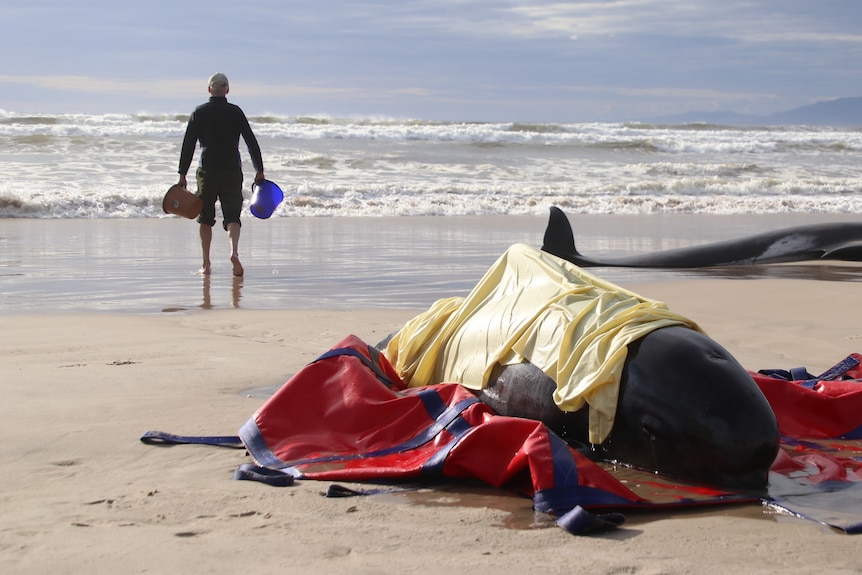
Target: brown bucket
(181, 202)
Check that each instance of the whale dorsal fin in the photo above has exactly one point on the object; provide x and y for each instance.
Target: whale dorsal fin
(559, 239)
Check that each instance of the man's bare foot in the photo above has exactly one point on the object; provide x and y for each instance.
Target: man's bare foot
(237, 267)
(204, 271)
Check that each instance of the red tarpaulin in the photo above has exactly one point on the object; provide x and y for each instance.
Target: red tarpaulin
(348, 416)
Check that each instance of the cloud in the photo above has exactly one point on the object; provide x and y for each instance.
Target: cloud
(441, 58)
(733, 20)
(95, 85)
(193, 90)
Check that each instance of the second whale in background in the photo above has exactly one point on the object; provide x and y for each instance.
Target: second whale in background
(829, 241)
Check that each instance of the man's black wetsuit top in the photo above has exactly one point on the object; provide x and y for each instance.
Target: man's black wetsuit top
(217, 125)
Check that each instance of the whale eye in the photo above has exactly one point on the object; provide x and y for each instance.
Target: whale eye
(651, 427)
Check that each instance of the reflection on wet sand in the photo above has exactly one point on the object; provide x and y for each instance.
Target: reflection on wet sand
(820, 272)
(236, 292)
(339, 263)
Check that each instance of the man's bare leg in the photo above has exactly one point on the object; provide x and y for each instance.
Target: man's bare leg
(206, 233)
(233, 230)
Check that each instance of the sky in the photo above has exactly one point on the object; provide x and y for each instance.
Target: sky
(437, 60)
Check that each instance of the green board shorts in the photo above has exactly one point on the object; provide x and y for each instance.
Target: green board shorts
(224, 186)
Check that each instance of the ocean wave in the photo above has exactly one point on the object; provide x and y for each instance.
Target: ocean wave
(648, 137)
(30, 120)
(686, 195)
(120, 165)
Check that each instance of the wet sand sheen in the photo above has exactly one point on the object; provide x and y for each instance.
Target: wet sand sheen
(149, 265)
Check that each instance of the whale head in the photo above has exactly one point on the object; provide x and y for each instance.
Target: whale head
(688, 409)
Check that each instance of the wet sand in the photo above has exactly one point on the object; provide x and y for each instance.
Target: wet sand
(149, 265)
(109, 333)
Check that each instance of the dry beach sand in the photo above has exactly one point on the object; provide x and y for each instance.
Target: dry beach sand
(81, 494)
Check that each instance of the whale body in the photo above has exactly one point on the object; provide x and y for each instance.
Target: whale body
(686, 409)
(829, 241)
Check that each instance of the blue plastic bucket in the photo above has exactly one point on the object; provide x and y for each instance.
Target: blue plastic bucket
(267, 196)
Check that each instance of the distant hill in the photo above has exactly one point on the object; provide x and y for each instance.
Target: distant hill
(840, 112)
(843, 112)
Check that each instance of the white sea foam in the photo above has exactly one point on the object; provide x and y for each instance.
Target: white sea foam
(119, 166)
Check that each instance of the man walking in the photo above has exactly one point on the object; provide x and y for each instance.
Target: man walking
(218, 125)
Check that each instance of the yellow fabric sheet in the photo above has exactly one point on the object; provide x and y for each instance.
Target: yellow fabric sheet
(532, 306)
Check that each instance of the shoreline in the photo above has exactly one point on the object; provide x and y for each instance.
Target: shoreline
(149, 265)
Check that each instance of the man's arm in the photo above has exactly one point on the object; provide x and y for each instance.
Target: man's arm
(253, 148)
(190, 141)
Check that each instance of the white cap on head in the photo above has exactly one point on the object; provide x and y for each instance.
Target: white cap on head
(218, 79)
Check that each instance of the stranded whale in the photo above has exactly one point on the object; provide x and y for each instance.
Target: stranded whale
(540, 338)
(686, 409)
(829, 241)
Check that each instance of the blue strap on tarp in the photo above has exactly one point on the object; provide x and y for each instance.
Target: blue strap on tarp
(579, 521)
(274, 477)
(808, 380)
(371, 364)
(839, 369)
(162, 438)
